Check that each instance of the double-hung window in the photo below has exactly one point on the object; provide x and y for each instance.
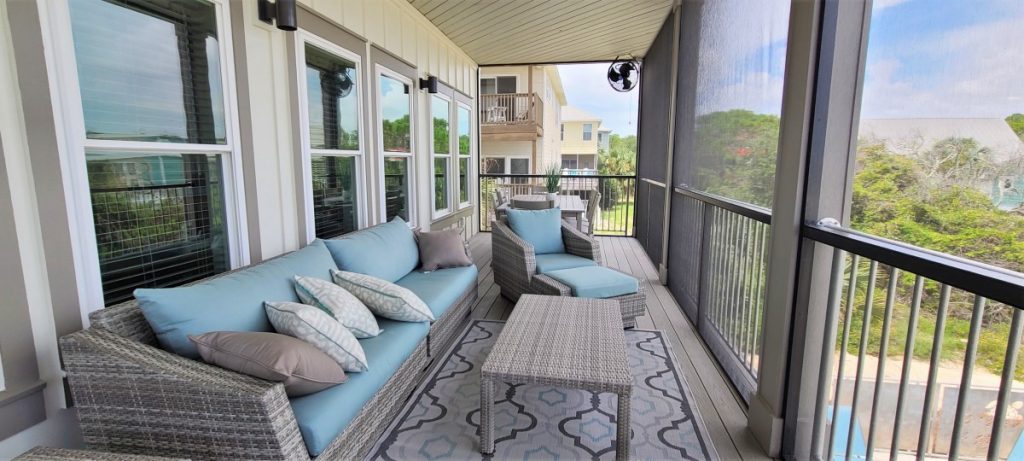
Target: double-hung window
(588, 131)
(465, 153)
(441, 150)
(330, 87)
(394, 105)
(156, 137)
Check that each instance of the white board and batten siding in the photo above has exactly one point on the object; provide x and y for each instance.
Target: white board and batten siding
(392, 25)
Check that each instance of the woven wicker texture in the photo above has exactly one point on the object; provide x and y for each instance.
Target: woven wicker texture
(515, 268)
(564, 342)
(63, 454)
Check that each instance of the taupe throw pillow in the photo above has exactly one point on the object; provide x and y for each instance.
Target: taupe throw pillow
(442, 249)
(274, 357)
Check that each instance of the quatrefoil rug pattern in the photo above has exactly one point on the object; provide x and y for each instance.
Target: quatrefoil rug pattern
(441, 421)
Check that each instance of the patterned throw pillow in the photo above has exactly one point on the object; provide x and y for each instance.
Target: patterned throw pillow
(317, 328)
(340, 304)
(384, 298)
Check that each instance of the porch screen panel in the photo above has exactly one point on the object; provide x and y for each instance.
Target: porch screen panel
(149, 73)
(332, 90)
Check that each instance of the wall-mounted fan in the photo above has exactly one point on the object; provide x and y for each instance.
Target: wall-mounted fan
(624, 74)
(344, 84)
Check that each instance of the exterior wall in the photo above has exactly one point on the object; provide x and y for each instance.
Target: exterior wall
(574, 143)
(41, 281)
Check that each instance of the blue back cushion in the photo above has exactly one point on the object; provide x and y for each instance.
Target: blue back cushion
(540, 228)
(387, 251)
(232, 302)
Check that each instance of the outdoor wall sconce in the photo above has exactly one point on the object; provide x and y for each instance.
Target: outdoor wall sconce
(430, 83)
(281, 10)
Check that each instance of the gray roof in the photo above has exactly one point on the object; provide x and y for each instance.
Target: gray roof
(908, 135)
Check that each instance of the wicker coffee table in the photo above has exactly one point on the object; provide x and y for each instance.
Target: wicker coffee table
(566, 342)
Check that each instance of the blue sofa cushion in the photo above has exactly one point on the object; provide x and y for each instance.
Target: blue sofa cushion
(387, 251)
(540, 228)
(596, 282)
(232, 302)
(558, 261)
(325, 414)
(441, 288)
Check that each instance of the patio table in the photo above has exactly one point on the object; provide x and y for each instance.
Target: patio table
(574, 343)
(571, 205)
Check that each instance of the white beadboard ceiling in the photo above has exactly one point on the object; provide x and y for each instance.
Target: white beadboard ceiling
(547, 31)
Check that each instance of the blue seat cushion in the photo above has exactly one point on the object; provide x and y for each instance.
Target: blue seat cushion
(596, 282)
(387, 251)
(540, 228)
(232, 302)
(558, 261)
(325, 414)
(441, 288)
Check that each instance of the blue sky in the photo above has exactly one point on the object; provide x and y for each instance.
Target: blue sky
(945, 58)
(926, 58)
(586, 86)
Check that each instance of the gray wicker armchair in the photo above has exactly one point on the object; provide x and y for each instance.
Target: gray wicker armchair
(514, 264)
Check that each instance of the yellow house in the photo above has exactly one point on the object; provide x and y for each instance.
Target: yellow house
(580, 136)
(520, 118)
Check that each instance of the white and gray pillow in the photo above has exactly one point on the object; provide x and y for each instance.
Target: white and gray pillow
(315, 327)
(339, 303)
(384, 298)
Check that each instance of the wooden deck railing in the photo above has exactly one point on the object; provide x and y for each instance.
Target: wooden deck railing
(511, 109)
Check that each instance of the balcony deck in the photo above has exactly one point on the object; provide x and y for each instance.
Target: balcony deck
(723, 411)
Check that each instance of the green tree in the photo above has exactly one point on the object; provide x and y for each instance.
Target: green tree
(1016, 122)
(735, 155)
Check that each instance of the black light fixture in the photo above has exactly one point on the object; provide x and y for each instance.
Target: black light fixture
(430, 83)
(283, 11)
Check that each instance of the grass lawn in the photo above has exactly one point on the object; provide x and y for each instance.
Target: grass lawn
(617, 220)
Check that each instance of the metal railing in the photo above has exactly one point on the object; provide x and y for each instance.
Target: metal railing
(615, 213)
(721, 278)
(901, 372)
(511, 109)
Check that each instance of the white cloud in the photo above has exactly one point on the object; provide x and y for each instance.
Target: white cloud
(973, 71)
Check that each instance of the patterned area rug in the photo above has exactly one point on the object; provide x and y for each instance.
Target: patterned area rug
(533, 422)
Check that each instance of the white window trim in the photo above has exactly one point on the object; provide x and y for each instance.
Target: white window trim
(469, 158)
(307, 151)
(436, 213)
(379, 132)
(69, 120)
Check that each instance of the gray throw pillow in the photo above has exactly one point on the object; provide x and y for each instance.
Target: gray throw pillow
(274, 357)
(442, 249)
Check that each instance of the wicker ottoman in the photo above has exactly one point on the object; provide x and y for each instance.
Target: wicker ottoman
(542, 343)
(63, 454)
(632, 305)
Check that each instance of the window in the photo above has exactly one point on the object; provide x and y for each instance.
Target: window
(739, 70)
(498, 85)
(519, 166)
(562, 135)
(465, 153)
(588, 131)
(156, 145)
(494, 165)
(330, 91)
(440, 110)
(569, 162)
(395, 106)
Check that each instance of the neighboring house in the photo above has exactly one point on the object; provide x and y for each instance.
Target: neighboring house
(910, 136)
(581, 131)
(520, 118)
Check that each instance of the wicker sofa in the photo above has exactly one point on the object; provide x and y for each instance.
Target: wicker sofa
(517, 269)
(134, 397)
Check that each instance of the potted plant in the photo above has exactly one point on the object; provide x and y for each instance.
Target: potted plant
(552, 176)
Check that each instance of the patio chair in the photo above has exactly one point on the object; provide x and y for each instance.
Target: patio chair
(497, 202)
(519, 270)
(589, 217)
(533, 204)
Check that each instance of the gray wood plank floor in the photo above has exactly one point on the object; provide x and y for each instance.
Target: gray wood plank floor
(723, 411)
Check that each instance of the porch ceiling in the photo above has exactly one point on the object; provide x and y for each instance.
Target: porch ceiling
(547, 31)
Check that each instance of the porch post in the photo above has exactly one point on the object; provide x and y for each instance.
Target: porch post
(670, 155)
(814, 180)
(767, 405)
